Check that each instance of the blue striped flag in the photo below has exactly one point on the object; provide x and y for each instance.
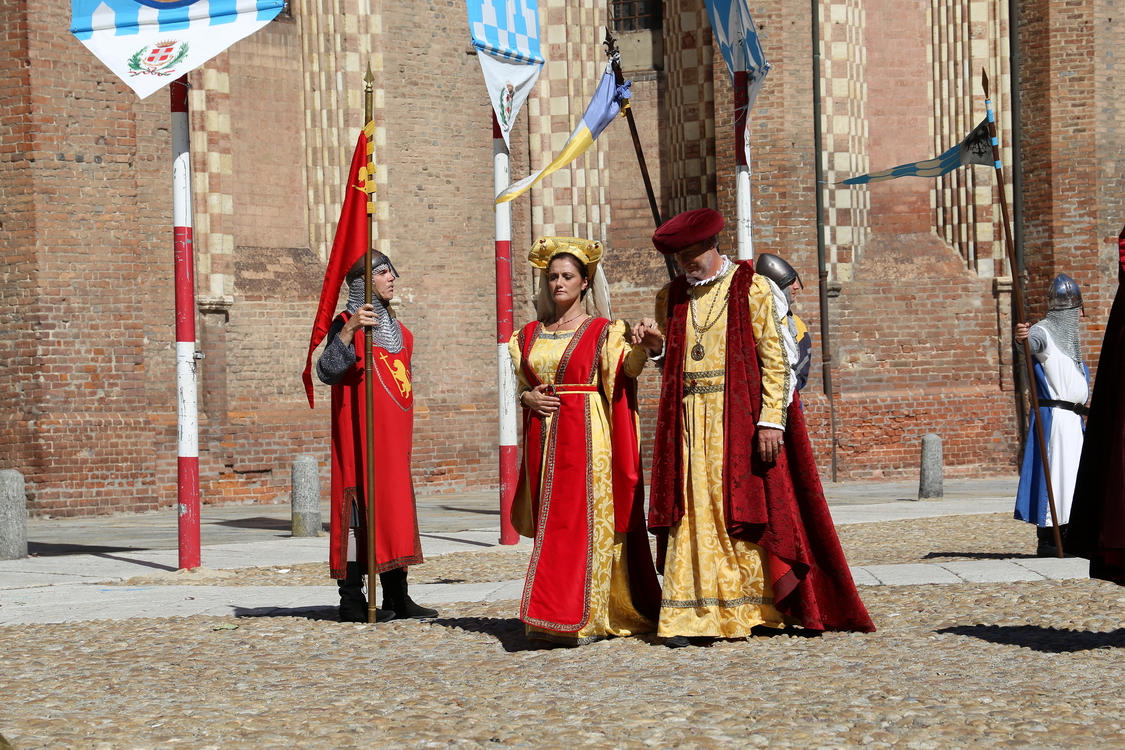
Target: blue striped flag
(150, 43)
(506, 36)
(737, 37)
(976, 148)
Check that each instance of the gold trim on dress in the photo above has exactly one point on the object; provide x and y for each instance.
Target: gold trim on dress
(711, 601)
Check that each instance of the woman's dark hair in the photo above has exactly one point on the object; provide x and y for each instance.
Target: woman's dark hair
(582, 270)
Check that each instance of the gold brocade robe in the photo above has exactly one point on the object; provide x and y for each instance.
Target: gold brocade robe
(611, 608)
(715, 585)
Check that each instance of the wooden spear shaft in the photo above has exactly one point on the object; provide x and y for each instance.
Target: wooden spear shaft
(619, 77)
(369, 361)
(1021, 314)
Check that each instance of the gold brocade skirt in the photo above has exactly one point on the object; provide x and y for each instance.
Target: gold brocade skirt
(713, 585)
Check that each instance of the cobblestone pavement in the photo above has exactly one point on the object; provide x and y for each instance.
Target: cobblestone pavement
(962, 665)
(1033, 665)
(944, 539)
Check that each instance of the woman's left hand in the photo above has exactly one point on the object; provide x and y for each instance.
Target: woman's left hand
(647, 334)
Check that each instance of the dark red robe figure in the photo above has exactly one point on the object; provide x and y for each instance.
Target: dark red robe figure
(1097, 516)
(397, 543)
(779, 506)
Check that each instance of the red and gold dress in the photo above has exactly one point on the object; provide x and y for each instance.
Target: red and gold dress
(581, 493)
(397, 543)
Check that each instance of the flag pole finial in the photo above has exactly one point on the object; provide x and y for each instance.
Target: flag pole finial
(368, 78)
(984, 82)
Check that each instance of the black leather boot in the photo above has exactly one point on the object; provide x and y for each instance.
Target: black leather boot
(1045, 536)
(353, 604)
(395, 597)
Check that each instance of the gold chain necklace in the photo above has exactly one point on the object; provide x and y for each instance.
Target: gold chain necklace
(561, 323)
(697, 351)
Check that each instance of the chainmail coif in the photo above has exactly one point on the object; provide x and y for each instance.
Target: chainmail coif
(1065, 331)
(388, 334)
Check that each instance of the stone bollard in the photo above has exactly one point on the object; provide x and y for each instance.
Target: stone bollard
(13, 516)
(929, 481)
(306, 496)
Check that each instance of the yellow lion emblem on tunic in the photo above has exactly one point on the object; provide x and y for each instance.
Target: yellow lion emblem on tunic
(399, 373)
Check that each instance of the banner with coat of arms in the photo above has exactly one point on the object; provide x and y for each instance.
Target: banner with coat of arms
(506, 36)
(150, 43)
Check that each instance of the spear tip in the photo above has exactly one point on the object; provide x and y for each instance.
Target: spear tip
(984, 81)
(368, 77)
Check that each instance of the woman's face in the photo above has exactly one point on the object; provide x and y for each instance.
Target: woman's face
(564, 282)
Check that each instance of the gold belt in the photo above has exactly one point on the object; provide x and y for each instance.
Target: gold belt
(557, 388)
(693, 388)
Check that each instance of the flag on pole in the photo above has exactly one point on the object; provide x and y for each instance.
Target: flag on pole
(150, 43)
(606, 104)
(348, 246)
(506, 36)
(738, 40)
(975, 149)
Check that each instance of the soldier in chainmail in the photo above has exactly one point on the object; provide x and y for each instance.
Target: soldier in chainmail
(1062, 386)
(342, 367)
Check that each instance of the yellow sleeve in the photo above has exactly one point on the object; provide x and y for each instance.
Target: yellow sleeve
(635, 356)
(775, 367)
(661, 311)
(517, 361)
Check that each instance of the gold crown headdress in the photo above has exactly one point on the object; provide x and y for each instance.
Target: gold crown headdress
(545, 248)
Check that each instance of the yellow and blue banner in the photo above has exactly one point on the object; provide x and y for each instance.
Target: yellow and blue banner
(976, 148)
(150, 43)
(606, 104)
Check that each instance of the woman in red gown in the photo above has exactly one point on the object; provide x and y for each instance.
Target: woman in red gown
(581, 494)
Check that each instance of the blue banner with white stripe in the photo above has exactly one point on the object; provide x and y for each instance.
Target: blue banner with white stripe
(149, 43)
(505, 34)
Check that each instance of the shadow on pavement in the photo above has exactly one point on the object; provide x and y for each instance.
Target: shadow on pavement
(508, 631)
(455, 539)
(478, 511)
(259, 522)
(981, 555)
(1047, 640)
(52, 549)
(307, 613)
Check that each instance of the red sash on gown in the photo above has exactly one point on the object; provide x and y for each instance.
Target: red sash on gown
(779, 506)
(397, 543)
(556, 593)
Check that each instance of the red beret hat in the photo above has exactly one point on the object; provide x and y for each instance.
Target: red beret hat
(686, 229)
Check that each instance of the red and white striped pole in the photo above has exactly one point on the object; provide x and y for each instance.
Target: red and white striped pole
(506, 392)
(743, 196)
(187, 491)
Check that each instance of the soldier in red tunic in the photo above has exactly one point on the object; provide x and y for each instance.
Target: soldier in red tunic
(341, 365)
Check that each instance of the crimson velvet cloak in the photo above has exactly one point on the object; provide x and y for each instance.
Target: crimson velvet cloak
(1097, 516)
(779, 506)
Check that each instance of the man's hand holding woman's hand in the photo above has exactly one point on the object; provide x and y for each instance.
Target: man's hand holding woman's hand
(647, 334)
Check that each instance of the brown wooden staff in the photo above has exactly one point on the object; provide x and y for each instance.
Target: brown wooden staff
(1021, 315)
(619, 77)
(368, 356)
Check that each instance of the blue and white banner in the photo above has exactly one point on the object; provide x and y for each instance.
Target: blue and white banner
(150, 43)
(506, 36)
(737, 37)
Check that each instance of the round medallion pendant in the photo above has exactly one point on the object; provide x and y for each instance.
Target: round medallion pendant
(697, 352)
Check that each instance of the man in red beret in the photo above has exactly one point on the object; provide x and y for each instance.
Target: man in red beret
(743, 529)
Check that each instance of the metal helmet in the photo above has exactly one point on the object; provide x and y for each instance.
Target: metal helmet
(774, 268)
(1064, 294)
